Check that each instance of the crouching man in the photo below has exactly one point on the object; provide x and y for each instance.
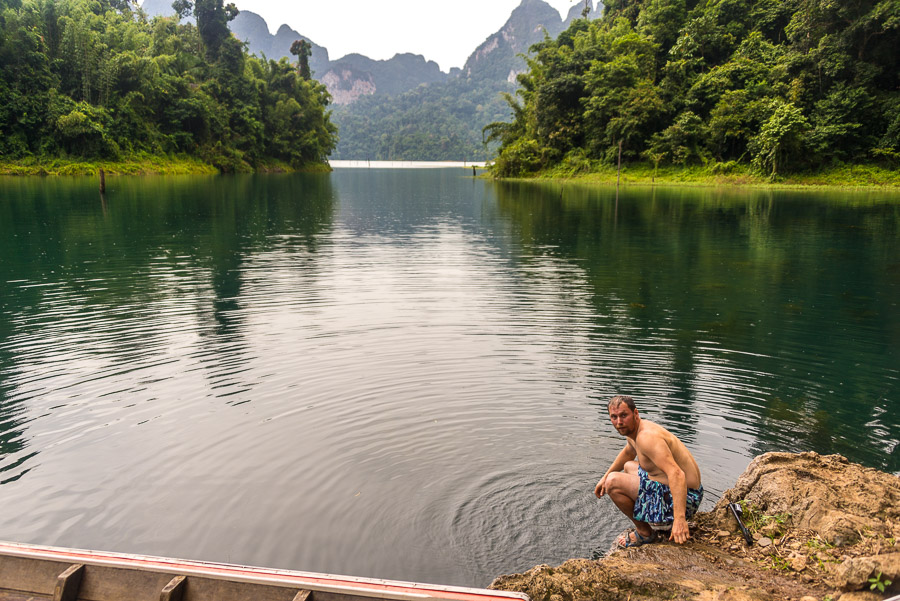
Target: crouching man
(660, 490)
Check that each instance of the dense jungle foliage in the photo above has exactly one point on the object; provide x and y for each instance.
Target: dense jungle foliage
(779, 85)
(434, 122)
(95, 80)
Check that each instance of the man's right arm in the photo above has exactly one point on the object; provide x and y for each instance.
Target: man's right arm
(625, 455)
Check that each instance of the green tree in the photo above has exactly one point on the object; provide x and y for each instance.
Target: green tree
(780, 140)
(96, 79)
(212, 21)
(302, 50)
(778, 84)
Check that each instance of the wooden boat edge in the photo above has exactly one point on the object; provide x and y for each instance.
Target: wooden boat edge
(325, 583)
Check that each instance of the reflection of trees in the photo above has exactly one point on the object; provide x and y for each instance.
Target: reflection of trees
(68, 264)
(251, 212)
(680, 275)
(22, 224)
(12, 421)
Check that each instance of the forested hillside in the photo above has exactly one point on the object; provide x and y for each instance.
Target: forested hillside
(97, 80)
(443, 120)
(437, 122)
(776, 85)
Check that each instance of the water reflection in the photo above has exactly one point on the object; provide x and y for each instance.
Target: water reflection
(404, 374)
(107, 295)
(775, 312)
(13, 443)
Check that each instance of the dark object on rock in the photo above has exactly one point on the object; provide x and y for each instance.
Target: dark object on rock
(825, 493)
(737, 511)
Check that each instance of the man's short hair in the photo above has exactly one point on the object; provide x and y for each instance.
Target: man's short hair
(623, 400)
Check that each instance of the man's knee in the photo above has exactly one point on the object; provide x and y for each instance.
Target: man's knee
(631, 467)
(617, 482)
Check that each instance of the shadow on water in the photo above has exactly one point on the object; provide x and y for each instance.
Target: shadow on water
(773, 310)
(77, 261)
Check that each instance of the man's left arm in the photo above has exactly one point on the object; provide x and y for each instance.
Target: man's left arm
(660, 454)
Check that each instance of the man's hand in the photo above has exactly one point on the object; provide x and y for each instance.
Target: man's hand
(600, 489)
(680, 532)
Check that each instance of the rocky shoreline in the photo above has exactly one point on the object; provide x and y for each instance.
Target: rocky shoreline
(823, 529)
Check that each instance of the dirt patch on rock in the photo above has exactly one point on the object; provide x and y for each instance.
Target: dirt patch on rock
(822, 527)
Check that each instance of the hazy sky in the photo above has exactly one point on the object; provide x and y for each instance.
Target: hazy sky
(445, 32)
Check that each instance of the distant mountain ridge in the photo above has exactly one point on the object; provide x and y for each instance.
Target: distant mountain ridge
(406, 108)
(355, 75)
(401, 73)
(253, 29)
(444, 120)
(497, 57)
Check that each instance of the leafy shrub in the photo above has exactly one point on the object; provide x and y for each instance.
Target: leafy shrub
(519, 158)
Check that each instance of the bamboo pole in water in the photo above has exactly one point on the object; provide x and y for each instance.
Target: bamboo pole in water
(619, 168)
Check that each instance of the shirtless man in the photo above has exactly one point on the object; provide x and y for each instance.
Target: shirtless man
(661, 489)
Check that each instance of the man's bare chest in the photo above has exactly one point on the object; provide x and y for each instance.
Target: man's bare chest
(651, 468)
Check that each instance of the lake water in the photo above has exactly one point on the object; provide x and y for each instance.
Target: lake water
(403, 373)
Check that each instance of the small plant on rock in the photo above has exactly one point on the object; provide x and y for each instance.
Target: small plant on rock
(756, 520)
(877, 583)
(781, 563)
(819, 543)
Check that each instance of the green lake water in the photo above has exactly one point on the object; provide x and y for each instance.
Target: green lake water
(403, 373)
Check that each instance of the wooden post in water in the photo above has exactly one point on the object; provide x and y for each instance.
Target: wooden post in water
(473, 171)
(619, 169)
(102, 182)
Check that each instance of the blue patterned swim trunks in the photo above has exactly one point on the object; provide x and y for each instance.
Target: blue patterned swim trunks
(654, 502)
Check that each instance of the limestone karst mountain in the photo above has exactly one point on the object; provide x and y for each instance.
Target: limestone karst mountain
(352, 76)
(406, 108)
(497, 58)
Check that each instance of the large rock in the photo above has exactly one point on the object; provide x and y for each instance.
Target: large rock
(855, 572)
(660, 571)
(696, 571)
(837, 499)
(831, 526)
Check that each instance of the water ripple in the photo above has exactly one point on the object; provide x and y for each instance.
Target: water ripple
(406, 375)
